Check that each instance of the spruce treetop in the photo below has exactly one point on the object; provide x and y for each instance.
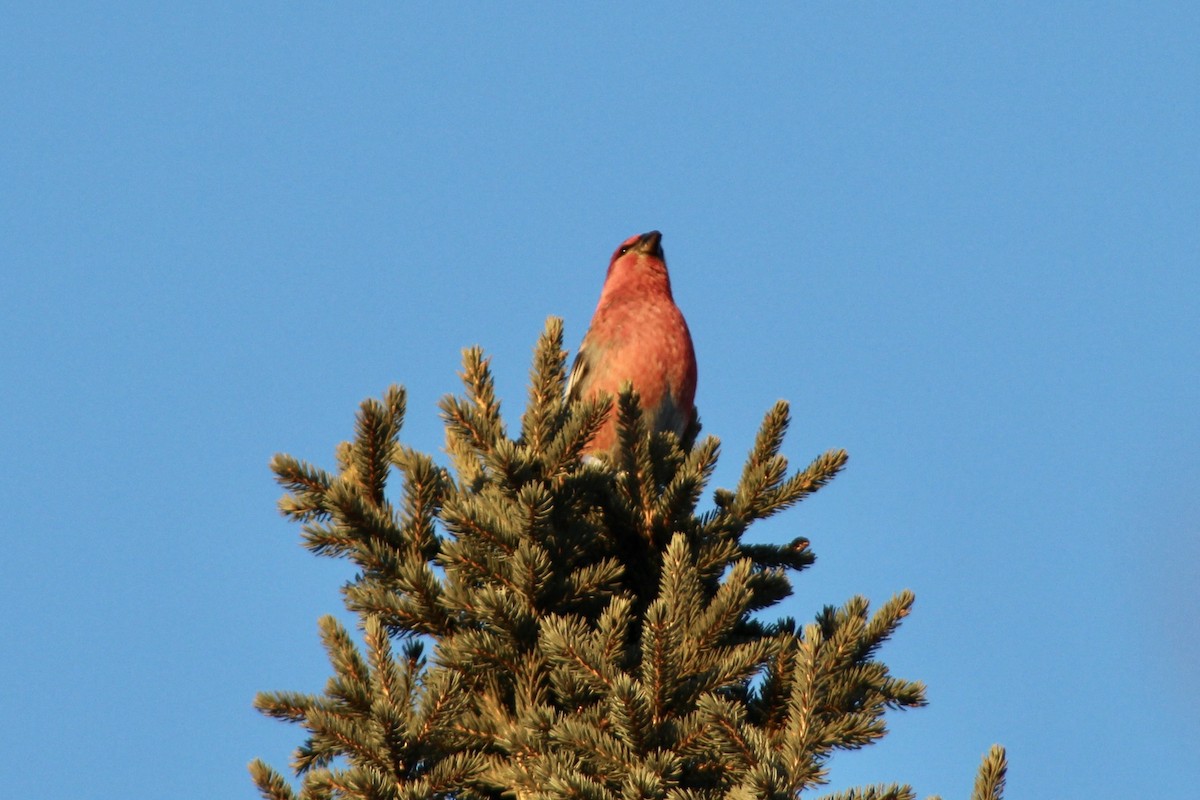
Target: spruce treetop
(539, 623)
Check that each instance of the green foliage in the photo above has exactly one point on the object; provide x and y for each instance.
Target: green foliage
(989, 784)
(592, 633)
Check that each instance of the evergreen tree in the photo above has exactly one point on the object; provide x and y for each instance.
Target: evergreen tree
(537, 624)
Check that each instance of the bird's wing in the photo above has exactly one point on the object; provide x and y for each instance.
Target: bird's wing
(578, 375)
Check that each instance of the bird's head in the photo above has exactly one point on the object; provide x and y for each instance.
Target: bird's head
(647, 243)
(639, 258)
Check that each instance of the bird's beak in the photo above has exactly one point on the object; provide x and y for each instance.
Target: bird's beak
(651, 244)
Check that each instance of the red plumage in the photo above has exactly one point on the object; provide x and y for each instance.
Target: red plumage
(639, 335)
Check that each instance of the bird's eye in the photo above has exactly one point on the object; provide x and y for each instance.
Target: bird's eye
(624, 250)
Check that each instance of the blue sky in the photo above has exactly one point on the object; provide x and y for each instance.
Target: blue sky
(963, 242)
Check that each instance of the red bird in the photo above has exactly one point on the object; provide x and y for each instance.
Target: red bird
(639, 335)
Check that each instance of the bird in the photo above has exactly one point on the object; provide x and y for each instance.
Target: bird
(639, 335)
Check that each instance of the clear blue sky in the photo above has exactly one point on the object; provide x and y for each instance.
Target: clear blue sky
(963, 242)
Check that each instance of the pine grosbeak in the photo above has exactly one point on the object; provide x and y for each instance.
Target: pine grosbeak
(638, 335)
